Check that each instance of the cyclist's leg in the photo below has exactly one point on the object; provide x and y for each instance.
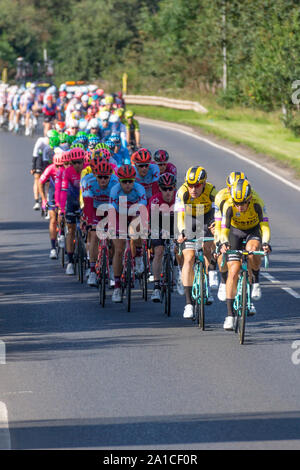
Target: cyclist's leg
(253, 243)
(158, 246)
(188, 251)
(52, 230)
(93, 252)
(119, 247)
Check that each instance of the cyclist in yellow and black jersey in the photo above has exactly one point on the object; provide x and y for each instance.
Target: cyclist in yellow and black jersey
(243, 219)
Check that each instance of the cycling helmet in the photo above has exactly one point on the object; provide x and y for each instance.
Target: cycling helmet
(85, 98)
(52, 133)
(161, 156)
(240, 191)
(77, 153)
(94, 123)
(119, 112)
(87, 157)
(73, 123)
(100, 92)
(102, 145)
(110, 143)
(57, 160)
(101, 153)
(54, 141)
(104, 115)
(101, 167)
(234, 175)
(63, 138)
(109, 99)
(167, 179)
(82, 124)
(141, 156)
(196, 175)
(129, 114)
(65, 157)
(126, 172)
(60, 126)
(78, 145)
(116, 139)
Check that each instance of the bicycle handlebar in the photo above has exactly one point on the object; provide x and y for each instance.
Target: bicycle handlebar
(244, 252)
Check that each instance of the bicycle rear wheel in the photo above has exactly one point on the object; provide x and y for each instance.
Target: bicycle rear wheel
(128, 282)
(145, 275)
(102, 283)
(168, 286)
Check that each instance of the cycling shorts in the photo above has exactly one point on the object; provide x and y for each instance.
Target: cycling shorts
(237, 237)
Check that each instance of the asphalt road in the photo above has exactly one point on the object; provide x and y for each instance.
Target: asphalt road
(75, 376)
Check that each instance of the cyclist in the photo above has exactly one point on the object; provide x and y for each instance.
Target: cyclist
(104, 125)
(120, 154)
(161, 158)
(221, 197)
(69, 201)
(195, 204)
(147, 172)
(165, 200)
(42, 153)
(50, 175)
(133, 134)
(243, 219)
(96, 188)
(135, 195)
(49, 112)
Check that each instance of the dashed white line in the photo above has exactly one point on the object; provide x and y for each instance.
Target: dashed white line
(5, 443)
(289, 290)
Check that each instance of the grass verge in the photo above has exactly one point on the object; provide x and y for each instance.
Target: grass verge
(259, 131)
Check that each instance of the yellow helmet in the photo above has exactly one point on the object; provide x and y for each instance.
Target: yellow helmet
(241, 191)
(234, 176)
(195, 175)
(129, 114)
(109, 99)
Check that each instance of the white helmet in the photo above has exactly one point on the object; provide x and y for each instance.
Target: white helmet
(104, 115)
(114, 118)
(73, 123)
(92, 88)
(63, 87)
(94, 123)
(85, 98)
(82, 124)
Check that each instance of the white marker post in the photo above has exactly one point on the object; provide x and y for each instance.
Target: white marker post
(2, 353)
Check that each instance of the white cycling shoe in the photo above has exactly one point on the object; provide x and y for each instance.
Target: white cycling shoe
(228, 324)
(117, 295)
(92, 280)
(188, 311)
(70, 269)
(256, 292)
(222, 292)
(213, 279)
(155, 297)
(53, 254)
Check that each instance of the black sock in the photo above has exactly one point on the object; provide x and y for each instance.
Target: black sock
(229, 307)
(255, 276)
(70, 257)
(157, 285)
(224, 277)
(188, 295)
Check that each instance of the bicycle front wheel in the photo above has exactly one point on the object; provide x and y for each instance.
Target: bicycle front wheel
(102, 281)
(200, 305)
(128, 282)
(241, 318)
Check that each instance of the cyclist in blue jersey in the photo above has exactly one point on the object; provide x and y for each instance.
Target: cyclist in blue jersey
(120, 154)
(135, 195)
(147, 173)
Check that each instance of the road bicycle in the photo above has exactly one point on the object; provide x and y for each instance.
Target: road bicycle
(80, 254)
(60, 240)
(242, 301)
(128, 274)
(143, 277)
(102, 270)
(167, 276)
(200, 285)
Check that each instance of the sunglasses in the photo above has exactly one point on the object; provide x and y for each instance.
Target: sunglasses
(77, 162)
(143, 165)
(241, 204)
(102, 177)
(167, 188)
(127, 181)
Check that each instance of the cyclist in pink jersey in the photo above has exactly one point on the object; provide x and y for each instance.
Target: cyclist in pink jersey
(161, 158)
(69, 200)
(50, 174)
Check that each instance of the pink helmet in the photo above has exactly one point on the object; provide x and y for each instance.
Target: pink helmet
(77, 153)
(65, 157)
(57, 160)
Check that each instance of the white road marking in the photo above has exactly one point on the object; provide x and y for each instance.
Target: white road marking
(228, 150)
(291, 291)
(5, 443)
(2, 353)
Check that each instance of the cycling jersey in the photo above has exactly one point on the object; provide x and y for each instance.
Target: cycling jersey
(185, 205)
(222, 196)
(50, 175)
(70, 188)
(94, 196)
(166, 215)
(150, 180)
(254, 216)
(122, 157)
(49, 111)
(170, 169)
